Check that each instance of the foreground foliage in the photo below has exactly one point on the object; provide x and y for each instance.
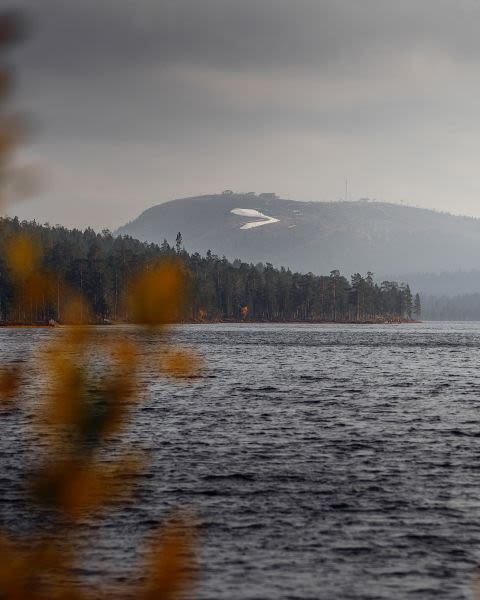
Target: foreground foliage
(81, 411)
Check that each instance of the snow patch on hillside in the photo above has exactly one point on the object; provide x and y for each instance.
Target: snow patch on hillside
(250, 212)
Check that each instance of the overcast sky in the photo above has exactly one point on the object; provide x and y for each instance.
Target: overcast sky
(141, 101)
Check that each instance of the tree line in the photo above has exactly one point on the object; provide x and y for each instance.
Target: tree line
(99, 266)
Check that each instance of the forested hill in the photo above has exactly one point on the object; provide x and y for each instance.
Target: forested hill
(99, 266)
(316, 236)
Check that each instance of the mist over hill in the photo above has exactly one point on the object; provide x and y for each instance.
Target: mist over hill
(387, 239)
(448, 284)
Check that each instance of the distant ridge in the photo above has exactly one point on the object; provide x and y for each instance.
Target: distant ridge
(316, 236)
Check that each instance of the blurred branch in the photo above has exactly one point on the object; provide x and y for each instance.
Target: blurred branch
(83, 410)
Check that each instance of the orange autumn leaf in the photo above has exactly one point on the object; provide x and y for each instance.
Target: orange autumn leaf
(158, 294)
(31, 569)
(76, 311)
(83, 492)
(182, 363)
(9, 384)
(23, 256)
(65, 405)
(171, 567)
(83, 401)
(91, 486)
(81, 486)
(117, 400)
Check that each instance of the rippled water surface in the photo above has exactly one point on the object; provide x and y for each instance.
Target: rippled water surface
(323, 461)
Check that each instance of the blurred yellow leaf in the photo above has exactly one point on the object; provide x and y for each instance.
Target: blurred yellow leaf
(9, 384)
(95, 485)
(76, 311)
(126, 354)
(158, 294)
(65, 405)
(84, 403)
(79, 486)
(171, 568)
(31, 569)
(23, 256)
(182, 363)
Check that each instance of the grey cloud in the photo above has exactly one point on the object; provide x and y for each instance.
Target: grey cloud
(222, 81)
(248, 34)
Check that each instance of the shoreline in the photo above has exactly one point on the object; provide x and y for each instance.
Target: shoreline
(216, 322)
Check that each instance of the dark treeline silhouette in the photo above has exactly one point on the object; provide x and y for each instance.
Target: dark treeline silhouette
(99, 266)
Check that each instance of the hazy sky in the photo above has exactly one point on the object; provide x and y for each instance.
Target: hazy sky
(141, 101)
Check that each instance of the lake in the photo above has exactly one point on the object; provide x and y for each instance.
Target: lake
(323, 461)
